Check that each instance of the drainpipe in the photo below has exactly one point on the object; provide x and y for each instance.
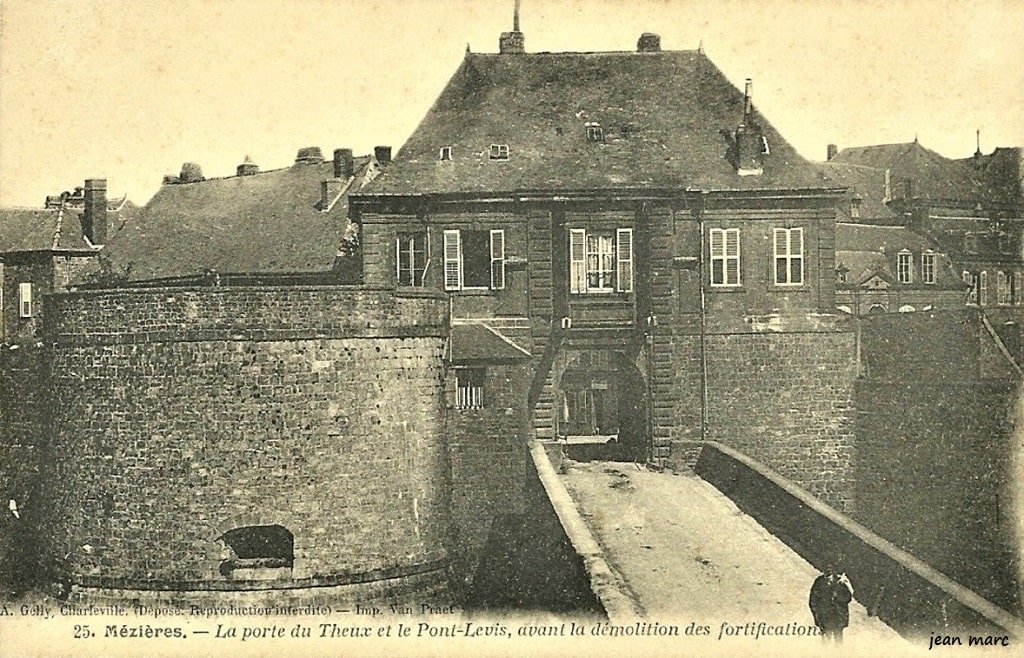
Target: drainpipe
(699, 210)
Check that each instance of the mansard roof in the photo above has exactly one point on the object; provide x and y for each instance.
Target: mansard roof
(661, 114)
(262, 223)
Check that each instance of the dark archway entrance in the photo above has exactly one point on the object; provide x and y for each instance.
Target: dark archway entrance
(602, 399)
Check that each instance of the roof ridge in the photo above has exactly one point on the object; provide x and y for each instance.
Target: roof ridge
(694, 51)
(55, 244)
(258, 173)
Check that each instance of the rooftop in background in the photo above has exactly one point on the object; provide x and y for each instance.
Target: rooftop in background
(574, 121)
(55, 229)
(993, 179)
(282, 221)
(866, 188)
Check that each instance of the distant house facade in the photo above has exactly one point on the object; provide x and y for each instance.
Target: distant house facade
(883, 265)
(619, 235)
(972, 209)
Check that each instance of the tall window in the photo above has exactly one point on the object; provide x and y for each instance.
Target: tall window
(904, 266)
(983, 289)
(789, 256)
(600, 261)
(411, 258)
(1018, 279)
(971, 280)
(469, 388)
(1004, 288)
(928, 268)
(474, 259)
(725, 256)
(25, 300)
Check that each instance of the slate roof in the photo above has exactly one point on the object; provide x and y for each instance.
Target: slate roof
(60, 230)
(472, 342)
(935, 176)
(1000, 175)
(661, 113)
(866, 183)
(263, 223)
(866, 250)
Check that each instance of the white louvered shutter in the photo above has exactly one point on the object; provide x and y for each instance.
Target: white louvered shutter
(25, 299)
(577, 260)
(452, 260)
(497, 259)
(1017, 293)
(624, 259)
(796, 255)
(732, 257)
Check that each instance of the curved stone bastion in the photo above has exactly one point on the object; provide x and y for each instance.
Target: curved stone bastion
(285, 442)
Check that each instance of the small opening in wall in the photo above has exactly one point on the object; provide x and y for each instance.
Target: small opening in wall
(444, 154)
(257, 552)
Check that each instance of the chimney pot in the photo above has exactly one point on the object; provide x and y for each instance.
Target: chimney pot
(514, 41)
(748, 101)
(309, 155)
(648, 43)
(383, 154)
(248, 167)
(344, 167)
(190, 173)
(833, 151)
(94, 217)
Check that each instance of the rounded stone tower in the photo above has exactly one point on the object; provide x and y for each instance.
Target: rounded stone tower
(282, 444)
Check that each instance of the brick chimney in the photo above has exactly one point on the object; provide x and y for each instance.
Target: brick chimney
(382, 154)
(750, 144)
(248, 167)
(94, 219)
(833, 151)
(649, 43)
(330, 189)
(309, 155)
(344, 167)
(513, 42)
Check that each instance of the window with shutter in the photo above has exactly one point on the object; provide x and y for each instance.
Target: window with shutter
(1017, 281)
(497, 259)
(452, 260)
(983, 289)
(725, 256)
(25, 299)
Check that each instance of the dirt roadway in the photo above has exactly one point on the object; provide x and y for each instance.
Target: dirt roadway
(687, 552)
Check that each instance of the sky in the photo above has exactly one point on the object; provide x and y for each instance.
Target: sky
(128, 90)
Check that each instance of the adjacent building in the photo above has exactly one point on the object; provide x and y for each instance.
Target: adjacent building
(970, 208)
(43, 250)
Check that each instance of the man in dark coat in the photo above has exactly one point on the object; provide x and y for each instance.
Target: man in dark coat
(830, 599)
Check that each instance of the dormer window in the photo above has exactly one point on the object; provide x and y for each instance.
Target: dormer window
(855, 208)
(928, 267)
(764, 146)
(595, 133)
(971, 243)
(499, 152)
(444, 154)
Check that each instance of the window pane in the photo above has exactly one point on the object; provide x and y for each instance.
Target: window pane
(476, 259)
(796, 274)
